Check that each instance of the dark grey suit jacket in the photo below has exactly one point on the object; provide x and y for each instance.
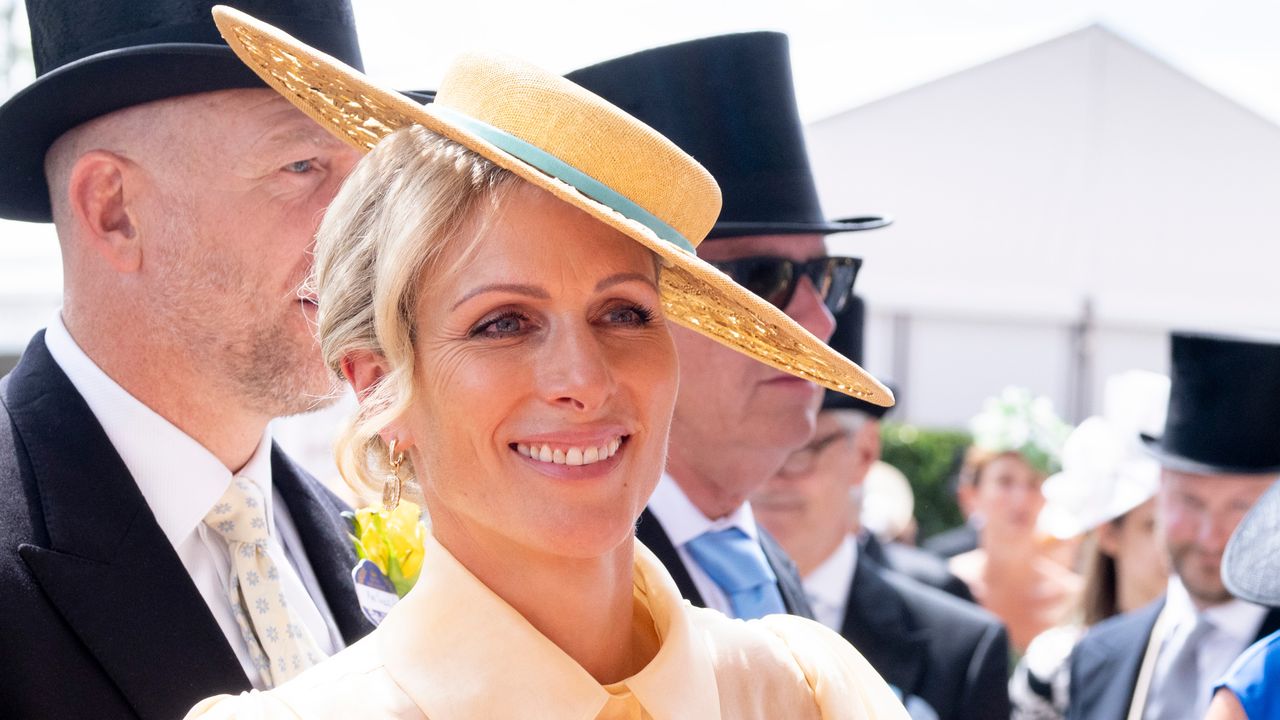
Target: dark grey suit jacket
(1106, 661)
(649, 531)
(955, 541)
(921, 566)
(950, 653)
(97, 614)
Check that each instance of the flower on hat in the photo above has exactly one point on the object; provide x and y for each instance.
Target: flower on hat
(1019, 421)
(392, 540)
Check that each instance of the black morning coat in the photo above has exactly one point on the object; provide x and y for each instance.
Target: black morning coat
(950, 653)
(1106, 661)
(922, 641)
(97, 614)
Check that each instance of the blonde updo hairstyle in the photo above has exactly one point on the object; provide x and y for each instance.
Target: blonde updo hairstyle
(395, 224)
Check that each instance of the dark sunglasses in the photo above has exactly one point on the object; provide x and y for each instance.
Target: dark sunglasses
(775, 278)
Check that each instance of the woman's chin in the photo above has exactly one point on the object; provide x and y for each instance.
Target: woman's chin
(587, 536)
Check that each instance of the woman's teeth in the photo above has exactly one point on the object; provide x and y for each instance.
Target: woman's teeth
(570, 456)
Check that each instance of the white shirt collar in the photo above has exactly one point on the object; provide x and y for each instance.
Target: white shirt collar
(179, 478)
(1236, 618)
(828, 585)
(683, 521)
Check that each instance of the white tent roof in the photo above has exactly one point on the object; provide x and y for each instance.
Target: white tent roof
(1083, 167)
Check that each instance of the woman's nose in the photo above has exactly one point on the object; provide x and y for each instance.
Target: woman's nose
(576, 371)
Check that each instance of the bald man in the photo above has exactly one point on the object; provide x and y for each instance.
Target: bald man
(136, 464)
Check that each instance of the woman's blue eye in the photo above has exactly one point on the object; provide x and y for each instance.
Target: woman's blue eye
(299, 167)
(505, 325)
(631, 315)
(502, 326)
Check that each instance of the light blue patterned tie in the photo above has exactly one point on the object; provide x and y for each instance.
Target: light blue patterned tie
(735, 562)
(280, 644)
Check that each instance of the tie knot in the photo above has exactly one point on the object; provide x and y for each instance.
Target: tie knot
(732, 559)
(240, 515)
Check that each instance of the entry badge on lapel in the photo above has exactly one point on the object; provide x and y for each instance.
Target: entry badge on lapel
(389, 545)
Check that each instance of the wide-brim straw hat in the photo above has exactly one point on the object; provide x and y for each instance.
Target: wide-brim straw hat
(581, 149)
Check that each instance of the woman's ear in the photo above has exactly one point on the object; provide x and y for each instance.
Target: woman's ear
(363, 370)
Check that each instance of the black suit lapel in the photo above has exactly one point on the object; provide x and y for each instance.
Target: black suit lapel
(317, 516)
(108, 568)
(878, 623)
(793, 597)
(1105, 667)
(650, 533)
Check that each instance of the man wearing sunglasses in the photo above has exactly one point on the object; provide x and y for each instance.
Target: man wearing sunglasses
(729, 102)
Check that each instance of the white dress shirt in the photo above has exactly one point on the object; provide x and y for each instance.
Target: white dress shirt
(683, 521)
(828, 585)
(1235, 625)
(181, 481)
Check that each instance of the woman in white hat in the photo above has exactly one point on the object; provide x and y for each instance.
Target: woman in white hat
(1104, 494)
(495, 280)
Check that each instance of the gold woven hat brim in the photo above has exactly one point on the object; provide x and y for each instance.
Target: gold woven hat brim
(694, 294)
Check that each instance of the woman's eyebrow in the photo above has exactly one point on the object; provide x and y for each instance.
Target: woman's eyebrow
(619, 278)
(532, 291)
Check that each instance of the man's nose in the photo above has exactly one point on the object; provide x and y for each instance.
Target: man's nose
(808, 308)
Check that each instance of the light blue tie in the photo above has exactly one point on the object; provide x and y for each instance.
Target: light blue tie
(735, 563)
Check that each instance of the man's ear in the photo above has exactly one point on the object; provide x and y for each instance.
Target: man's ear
(98, 192)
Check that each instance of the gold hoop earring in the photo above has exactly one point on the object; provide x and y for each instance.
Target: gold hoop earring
(392, 486)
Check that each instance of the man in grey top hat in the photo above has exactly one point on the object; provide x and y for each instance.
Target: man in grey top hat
(1219, 452)
(136, 467)
(729, 102)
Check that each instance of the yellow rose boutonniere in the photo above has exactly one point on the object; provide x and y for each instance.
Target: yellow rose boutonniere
(392, 541)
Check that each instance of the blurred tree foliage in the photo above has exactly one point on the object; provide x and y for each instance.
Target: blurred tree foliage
(929, 458)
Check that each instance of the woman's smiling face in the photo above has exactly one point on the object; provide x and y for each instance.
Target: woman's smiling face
(545, 378)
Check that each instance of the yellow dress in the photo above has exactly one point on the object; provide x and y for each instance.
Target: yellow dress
(452, 649)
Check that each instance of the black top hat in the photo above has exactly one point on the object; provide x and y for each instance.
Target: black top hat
(1224, 407)
(847, 340)
(93, 58)
(728, 101)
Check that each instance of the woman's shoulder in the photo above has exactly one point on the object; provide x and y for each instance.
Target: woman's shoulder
(787, 666)
(352, 683)
(1254, 677)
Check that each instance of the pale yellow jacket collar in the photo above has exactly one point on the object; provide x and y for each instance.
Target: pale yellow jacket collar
(459, 650)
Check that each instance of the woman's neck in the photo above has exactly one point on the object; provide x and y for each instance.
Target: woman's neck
(1006, 551)
(586, 606)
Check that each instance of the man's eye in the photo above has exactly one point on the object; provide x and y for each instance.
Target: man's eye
(299, 167)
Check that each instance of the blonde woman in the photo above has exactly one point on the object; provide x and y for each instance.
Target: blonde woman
(495, 280)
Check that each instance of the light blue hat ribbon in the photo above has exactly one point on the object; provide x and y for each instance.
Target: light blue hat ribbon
(561, 170)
